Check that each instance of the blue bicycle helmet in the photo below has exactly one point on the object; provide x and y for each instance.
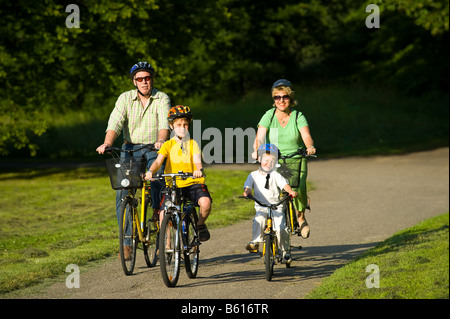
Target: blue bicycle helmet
(142, 66)
(269, 149)
(282, 82)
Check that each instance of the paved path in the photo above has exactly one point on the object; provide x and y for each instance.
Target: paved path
(357, 203)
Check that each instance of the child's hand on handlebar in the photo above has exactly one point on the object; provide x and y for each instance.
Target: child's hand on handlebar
(197, 174)
(247, 192)
(148, 175)
(293, 194)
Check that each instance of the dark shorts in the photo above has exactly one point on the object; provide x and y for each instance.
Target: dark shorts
(195, 192)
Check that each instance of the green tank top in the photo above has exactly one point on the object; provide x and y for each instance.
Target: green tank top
(288, 138)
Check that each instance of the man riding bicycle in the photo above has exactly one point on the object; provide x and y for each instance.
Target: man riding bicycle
(141, 114)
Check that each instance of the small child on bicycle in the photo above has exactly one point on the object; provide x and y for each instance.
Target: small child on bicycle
(183, 154)
(267, 184)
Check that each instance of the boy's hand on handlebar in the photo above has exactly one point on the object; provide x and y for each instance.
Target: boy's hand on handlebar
(293, 194)
(247, 192)
(197, 174)
(148, 175)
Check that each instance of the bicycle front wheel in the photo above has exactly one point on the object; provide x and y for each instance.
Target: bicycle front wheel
(169, 251)
(269, 259)
(127, 237)
(151, 244)
(192, 250)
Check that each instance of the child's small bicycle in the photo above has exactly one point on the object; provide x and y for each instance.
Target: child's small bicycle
(271, 252)
(179, 234)
(126, 173)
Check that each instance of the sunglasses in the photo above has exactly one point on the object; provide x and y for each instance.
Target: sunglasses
(279, 97)
(146, 78)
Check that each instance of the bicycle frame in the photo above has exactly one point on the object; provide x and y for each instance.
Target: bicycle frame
(269, 227)
(270, 232)
(140, 218)
(134, 225)
(178, 217)
(176, 203)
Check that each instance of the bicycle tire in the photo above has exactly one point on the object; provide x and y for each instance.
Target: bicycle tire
(151, 246)
(192, 251)
(151, 230)
(169, 251)
(127, 240)
(269, 258)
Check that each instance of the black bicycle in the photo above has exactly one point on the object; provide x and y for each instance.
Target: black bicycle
(178, 237)
(135, 226)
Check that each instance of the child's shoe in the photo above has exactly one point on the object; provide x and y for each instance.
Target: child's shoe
(203, 232)
(252, 247)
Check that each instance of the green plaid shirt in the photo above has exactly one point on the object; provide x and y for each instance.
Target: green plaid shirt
(140, 125)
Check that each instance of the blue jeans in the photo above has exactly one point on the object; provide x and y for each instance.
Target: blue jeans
(156, 186)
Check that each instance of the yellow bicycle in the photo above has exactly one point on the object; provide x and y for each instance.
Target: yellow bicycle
(135, 225)
(271, 251)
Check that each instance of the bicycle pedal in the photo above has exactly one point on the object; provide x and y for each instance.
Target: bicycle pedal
(254, 251)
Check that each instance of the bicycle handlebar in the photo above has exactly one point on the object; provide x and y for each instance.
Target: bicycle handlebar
(183, 175)
(151, 147)
(300, 151)
(272, 206)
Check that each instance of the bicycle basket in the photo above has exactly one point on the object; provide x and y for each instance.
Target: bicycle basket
(290, 169)
(125, 173)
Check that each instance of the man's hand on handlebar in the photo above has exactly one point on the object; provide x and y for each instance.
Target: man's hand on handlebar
(101, 148)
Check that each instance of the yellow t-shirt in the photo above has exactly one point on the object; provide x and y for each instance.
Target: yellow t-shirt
(178, 159)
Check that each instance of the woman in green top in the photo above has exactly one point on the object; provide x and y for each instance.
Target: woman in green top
(288, 129)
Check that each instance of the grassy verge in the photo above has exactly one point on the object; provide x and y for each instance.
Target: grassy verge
(413, 264)
(50, 218)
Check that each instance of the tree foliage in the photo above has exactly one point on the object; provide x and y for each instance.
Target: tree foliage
(212, 48)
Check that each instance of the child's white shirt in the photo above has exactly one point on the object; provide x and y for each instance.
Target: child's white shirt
(257, 180)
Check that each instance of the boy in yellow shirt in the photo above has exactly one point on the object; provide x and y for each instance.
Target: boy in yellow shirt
(183, 154)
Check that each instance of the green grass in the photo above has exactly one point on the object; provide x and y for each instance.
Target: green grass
(413, 264)
(50, 218)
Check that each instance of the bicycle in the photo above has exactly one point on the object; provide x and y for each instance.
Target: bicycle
(127, 174)
(178, 233)
(290, 168)
(271, 252)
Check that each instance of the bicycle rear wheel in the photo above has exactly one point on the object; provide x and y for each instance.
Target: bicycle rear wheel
(192, 250)
(127, 237)
(269, 259)
(169, 251)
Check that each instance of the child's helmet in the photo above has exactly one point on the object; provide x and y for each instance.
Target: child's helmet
(179, 111)
(269, 149)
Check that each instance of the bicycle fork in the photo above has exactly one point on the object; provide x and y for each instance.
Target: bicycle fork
(269, 232)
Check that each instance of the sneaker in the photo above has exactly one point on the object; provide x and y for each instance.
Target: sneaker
(203, 232)
(287, 258)
(252, 247)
